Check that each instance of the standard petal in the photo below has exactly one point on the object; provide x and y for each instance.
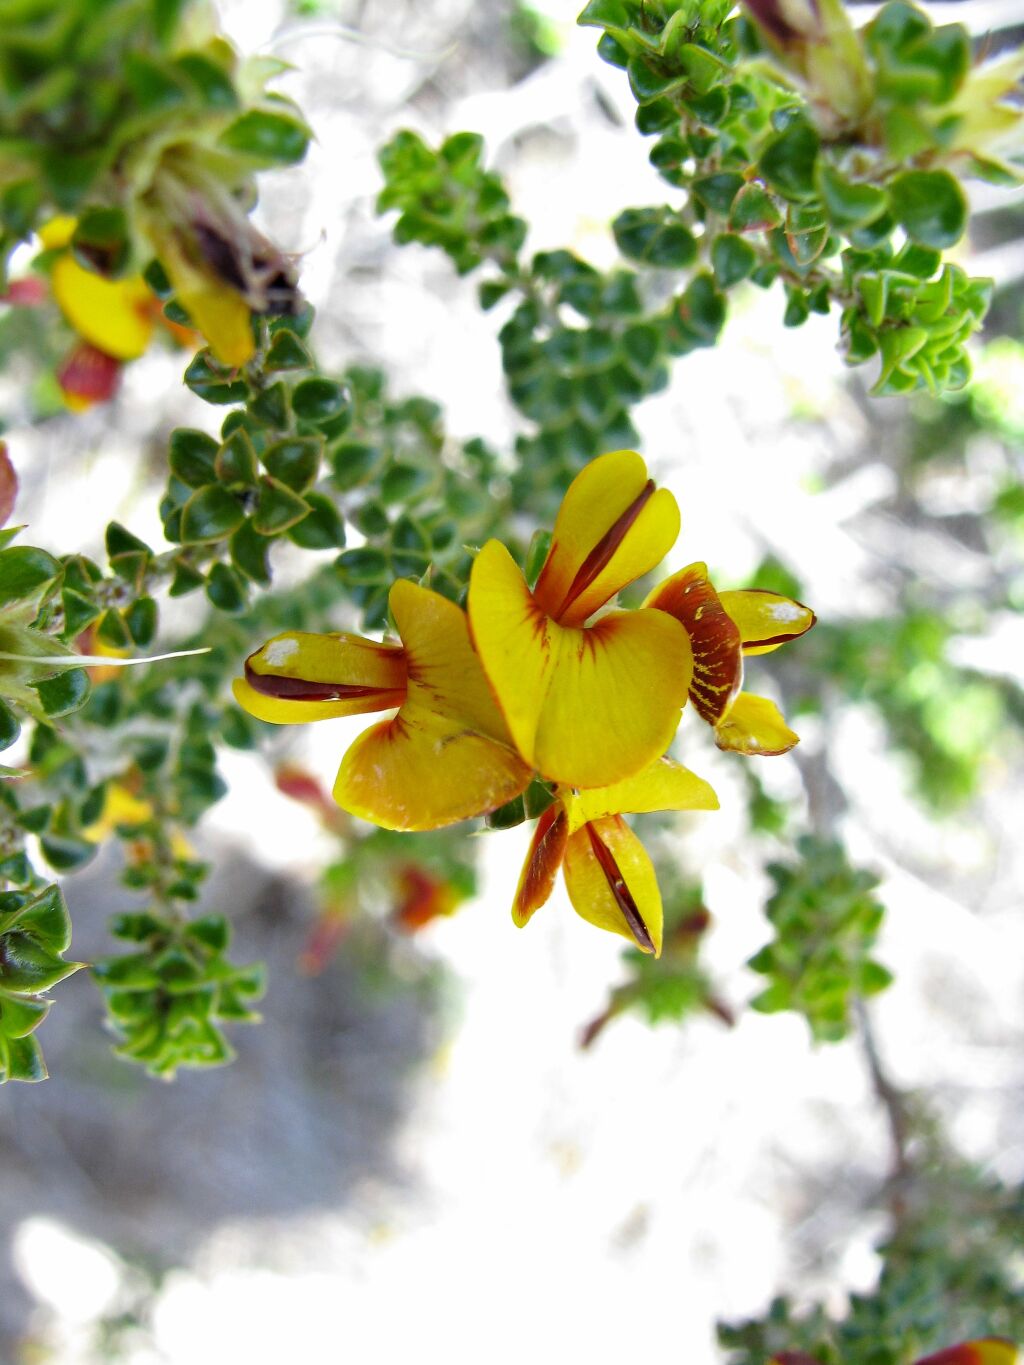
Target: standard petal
(586, 707)
(300, 676)
(983, 1351)
(766, 619)
(665, 785)
(445, 675)
(115, 316)
(613, 526)
(754, 725)
(514, 641)
(547, 848)
(420, 771)
(611, 882)
(717, 649)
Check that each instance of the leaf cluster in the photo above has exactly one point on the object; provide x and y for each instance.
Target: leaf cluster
(825, 921)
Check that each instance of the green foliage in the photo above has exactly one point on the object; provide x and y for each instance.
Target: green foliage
(949, 1274)
(943, 717)
(826, 921)
(35, 933)
(141, 120)
(807, 175)
(169, 998)
(673, 987)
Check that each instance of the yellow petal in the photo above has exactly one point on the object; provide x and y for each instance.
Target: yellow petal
(58, 232)
(612, 527)
(420, 771)
(766, 619)
(445, 675)
(611, 882)
(115, 316)
(299, 676)
(717, 651)
(665, 785)
(447, 755)
(217, 310)
(754, 725)
(547, 848)
(586, 707)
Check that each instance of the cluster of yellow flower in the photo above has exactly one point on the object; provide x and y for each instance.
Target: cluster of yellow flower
(535, 682)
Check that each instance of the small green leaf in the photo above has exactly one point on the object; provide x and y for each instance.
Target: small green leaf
(10, 726)
(788, 161)
(64, 693)
(250, 551)
(277, 508)
(192, 457)
(286, 352)
(754, 210)
(930, 206)
(319, 400)
(717, 192)
(322, 528)
(271, 139)
(656, 237)
(24, 572)
(141, 620)
(294, 461)
(225, 589)
(732, 259)
(210, 514)
(236, 459)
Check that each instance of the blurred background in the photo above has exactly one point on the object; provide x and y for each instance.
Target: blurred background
(414, 1153)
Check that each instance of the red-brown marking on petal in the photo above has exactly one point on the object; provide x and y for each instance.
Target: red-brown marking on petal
(793, 1358)
(88, 374)
(547, 848)
(8, 484)
(714, 636)
(598, 559)
(302, 689)
(620, 891)
(967, 1352)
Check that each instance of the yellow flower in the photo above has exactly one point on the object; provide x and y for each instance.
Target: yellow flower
(587, 705)
(446, 756)
(609, 877)
(117, 317)
(723, 628)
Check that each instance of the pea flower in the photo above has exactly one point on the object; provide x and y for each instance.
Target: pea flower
(608, 874)
(982, 1351)
(723, 628)
(114, 320)
(445, 756)
(587, 704)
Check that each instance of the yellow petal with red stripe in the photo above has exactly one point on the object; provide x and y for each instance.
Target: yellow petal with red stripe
(299, 676)
(613, 526)
(547, 848)
(715, 638)
(766, 620)
(447, 755)
(115, 316)
(611, 882)
(586, 707)
(754, 725)
(983, 1351)
(665, 785)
